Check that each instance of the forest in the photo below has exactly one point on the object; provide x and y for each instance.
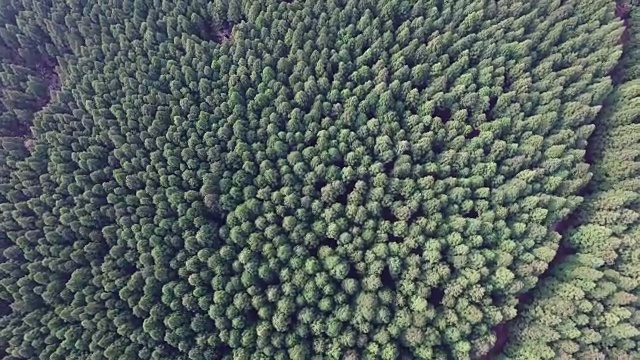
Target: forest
(319, 179)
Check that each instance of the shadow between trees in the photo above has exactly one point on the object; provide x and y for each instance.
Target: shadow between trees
(502, 330)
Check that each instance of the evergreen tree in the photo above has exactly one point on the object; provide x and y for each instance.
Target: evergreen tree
(326, 179)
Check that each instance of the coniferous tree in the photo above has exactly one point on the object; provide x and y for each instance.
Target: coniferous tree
(327, 179)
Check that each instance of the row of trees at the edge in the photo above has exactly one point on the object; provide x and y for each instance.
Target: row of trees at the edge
(589, 307)
(330, 179)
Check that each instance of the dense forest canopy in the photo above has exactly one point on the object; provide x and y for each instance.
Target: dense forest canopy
(319, 179)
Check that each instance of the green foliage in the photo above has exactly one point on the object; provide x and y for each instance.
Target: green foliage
(306, 180)
(588, 307)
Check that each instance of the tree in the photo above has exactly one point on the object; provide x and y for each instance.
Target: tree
(325, 179)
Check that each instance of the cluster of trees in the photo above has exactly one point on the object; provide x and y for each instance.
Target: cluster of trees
(588, 307)
(315, 179)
